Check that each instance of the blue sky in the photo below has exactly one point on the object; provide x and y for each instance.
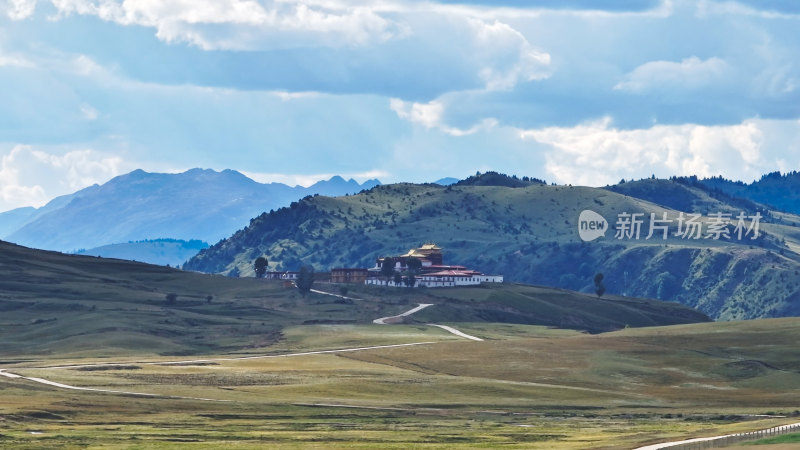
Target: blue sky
(578, 91)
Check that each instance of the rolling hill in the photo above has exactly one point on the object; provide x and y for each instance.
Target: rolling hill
(779, 191)
(530, 234)
(57, 304)
(197, 204)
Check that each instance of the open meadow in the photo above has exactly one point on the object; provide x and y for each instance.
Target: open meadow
(523, 386)
(95, 353)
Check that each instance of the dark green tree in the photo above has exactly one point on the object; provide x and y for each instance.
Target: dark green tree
(305, 279)
(414, 265)
(260, 266)
(599, 288)
(387, 268)
(410, 280)
(171, 298)
(397, 278)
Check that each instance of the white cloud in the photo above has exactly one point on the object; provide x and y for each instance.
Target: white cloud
(429, 115)
(765, 10)
(14, 60)
(88, 112)
(288, 96)
(243, 24)
(597, 154)
(18, 9)
(690, 73)
(30, 177)
(508, 56)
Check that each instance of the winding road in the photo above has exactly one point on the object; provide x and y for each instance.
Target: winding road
(395, 319)
(5, 373)
(382, 321)
(398, 318)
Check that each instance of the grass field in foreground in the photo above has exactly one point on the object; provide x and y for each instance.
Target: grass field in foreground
(524, 386)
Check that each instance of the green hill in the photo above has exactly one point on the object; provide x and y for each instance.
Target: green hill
(72, 305)
(779, 191)
(529, 234)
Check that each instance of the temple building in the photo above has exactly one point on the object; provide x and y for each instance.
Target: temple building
(348, 275)
(432, 272)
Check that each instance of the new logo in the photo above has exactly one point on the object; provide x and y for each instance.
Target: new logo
(591, 225)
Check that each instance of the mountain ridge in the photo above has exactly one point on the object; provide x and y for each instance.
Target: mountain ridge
(529, 234)
(197, 204)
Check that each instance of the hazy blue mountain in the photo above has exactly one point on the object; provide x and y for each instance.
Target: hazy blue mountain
(338, 186)
(779, 191)
(173, 252)
(10, 221)
(198, 204)
(446, 181)
(688, 195)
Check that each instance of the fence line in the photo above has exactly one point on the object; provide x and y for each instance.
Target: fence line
(724, 441)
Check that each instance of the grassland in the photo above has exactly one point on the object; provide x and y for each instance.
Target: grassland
(69, 305)
(235, 371)
(524, 386)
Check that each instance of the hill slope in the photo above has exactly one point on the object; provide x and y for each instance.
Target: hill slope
(197, 204)
(779, 191)
(57, 304)
(529, 234)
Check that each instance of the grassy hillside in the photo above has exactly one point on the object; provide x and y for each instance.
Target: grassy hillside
(56, 304)
(688, 195)
(107, 324)
(779, 191)
(529, 234)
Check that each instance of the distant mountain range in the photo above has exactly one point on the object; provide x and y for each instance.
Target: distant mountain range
(528, 231)
(776, 190)
(164, 252)
(198, 204)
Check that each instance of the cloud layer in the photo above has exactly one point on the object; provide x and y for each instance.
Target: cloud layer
(582, 92)
(29, 176)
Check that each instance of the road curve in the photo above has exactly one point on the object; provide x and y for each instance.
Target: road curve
(456, 332)
(384, 320)
(108, 391)
(394, 319)
(4, 373)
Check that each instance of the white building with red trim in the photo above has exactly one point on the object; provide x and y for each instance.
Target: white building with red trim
(432, 272)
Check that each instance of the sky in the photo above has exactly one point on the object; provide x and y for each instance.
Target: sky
(583, 92)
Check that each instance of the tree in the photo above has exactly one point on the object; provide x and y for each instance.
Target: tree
(171, 298)
(305, 279)
(599, 288)
(414, 265)
(397, 278)
(410, 280)
(260, 266)
(387, 268)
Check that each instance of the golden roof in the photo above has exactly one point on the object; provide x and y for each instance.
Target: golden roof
(422, 252)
